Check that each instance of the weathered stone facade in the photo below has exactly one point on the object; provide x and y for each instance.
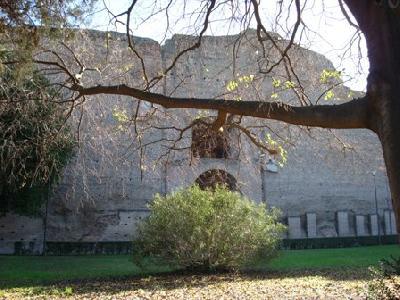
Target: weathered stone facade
(323, 190)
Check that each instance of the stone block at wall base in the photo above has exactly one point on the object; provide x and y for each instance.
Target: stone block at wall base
(342, 218)
(311, 225)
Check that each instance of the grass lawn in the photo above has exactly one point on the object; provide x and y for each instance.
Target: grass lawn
(360, 257)
(35, 270)
(323, 273)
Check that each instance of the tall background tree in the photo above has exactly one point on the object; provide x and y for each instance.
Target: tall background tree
(35, 139)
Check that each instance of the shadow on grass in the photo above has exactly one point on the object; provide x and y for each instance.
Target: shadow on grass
(175, 279)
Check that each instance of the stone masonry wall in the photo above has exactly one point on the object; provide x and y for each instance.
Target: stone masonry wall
(104, 190)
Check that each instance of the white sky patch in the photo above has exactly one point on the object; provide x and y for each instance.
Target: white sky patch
(328, 32)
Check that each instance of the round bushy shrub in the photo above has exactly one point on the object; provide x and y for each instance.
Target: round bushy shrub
(217, 229)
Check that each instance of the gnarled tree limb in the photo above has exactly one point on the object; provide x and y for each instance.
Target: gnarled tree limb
(352, 114)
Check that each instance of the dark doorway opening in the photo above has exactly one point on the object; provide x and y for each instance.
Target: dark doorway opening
(211, 178)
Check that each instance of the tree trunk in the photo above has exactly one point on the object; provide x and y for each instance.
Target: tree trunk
(380, 22)
(390, 139)
(384, 99)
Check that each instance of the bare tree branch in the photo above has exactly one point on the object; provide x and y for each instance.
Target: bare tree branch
(353, 114)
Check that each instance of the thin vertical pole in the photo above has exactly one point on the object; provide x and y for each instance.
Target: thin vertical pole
(45, 221)
(376, 210)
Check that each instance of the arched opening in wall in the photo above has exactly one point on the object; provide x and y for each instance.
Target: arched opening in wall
(208, 143)
(211, 178)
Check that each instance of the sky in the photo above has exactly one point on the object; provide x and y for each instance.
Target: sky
(329, 33)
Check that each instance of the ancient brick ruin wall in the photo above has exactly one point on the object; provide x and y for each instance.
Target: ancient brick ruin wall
(104, 192)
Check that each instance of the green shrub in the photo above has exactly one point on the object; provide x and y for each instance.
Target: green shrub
(390, 266)
(206, 229)
(385, 283)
